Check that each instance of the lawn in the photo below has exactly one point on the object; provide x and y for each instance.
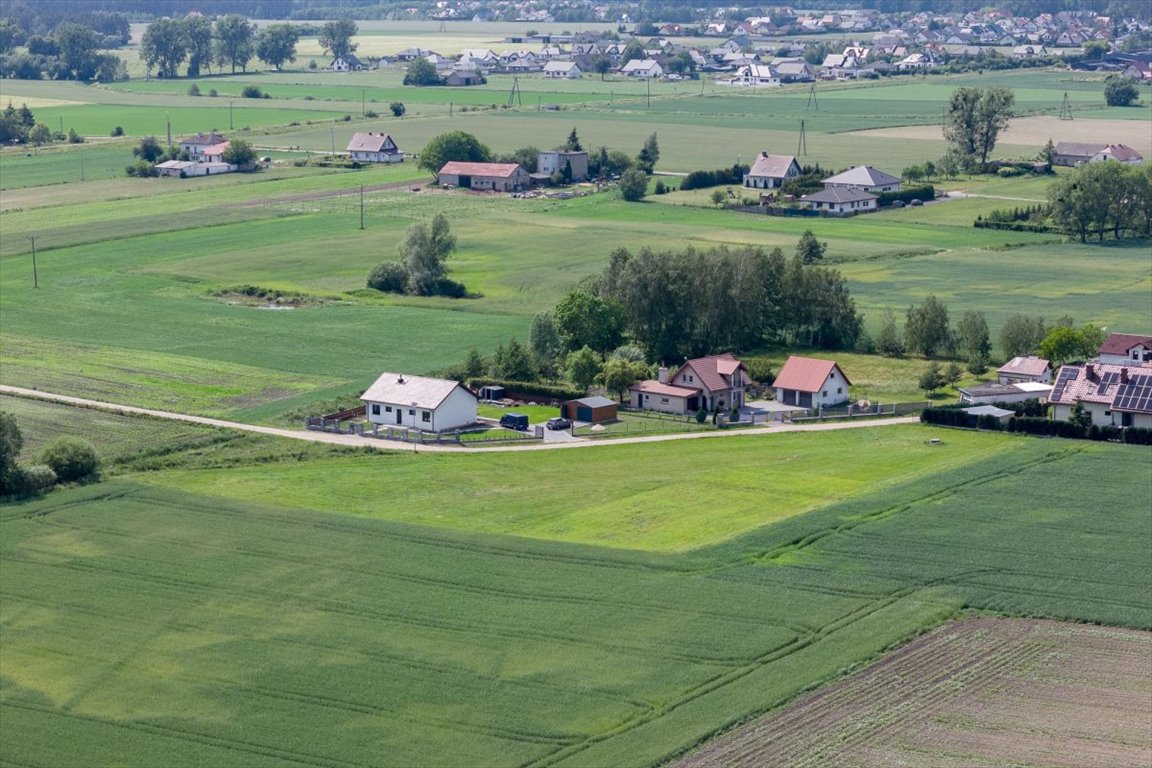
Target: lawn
(146, 624)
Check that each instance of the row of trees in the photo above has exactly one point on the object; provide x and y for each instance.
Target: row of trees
(19, 126)
(72, 52)
(63, 460)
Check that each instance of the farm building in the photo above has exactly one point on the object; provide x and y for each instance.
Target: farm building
(716, 382)
(186, 168)
(1072, 153)
(552, 161)
(595, 410)
(1126, 348)
(1025, 368)
(458, 78)
(811, 383)
(374, 148)
(1115, 395)
(771, 171)
(840, 200)
(500, 177)
(1005, 393)
(866, 178)
(418, 402)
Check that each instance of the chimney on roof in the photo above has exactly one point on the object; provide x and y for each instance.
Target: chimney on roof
(1090, 372)
(662, 375)
(1123, 375)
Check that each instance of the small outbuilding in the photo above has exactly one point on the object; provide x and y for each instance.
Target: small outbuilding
(840, 200)
(1025, 368)
(811, 383)
(594, 410)
(500, 177)
(419, 402)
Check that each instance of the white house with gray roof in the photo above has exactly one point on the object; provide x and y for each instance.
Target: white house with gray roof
(771, 171)
(419, 402)
(866, 178)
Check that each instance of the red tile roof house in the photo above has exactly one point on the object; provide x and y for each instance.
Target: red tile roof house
(1116, 395)
(712, 383)
(1126, 348)
(811, 383)
(500, 177)
(1025, 368)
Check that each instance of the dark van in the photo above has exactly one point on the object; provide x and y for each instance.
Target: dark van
(514, 421)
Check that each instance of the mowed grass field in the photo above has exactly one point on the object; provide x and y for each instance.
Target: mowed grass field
(195, 621)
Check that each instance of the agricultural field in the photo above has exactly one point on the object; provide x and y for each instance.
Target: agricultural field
(163, 617)
(978, 691)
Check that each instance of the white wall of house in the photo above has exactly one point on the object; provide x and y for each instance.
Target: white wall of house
(648, 401)
(1102, 416)
(834, 392)
(855, 206)
(1136, 355)
(455, 411)
(377, 157)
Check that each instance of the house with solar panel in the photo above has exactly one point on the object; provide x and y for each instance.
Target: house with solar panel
(1114, 395)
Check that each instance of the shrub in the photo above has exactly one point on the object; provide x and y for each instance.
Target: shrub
(72, 460)
(1008, 172)
(37, 479)
(347, 118)
(924, 192)
(212, 93)
(449, 288)
(397, 108)
(141, 169)
(252, 92)
(660, 189)
(118, 131)
(371, 113)
(389, 276)
(193, 90)
(551, 391)
(701, 416)
(312, 64)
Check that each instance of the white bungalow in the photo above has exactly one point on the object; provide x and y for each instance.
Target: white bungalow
(866, 178)
(841, 200)
(418, 402)
(642, 68)
(374, 148)
(562, 70)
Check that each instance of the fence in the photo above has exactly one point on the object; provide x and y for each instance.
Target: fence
(419, 437)
(855, 410)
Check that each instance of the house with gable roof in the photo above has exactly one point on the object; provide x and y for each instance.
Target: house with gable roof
(1126, 349)
(716, 382)
(771, 171)
(866, 178)
(1025, 368)
(1115, 395)
(500, 177)
(1073, 153)
(810, 382)
(419, 402)
(374, 148)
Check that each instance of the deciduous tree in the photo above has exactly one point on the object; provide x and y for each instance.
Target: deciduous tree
(926, 329)
(1120, 91)
(198, 43)
(1021, 335)
(583, 366)
(649, 155)
(975, 118)
(276, 44)
(633, 185)
(809, 249)
(454, 145)
(164, 46)
(423, 251)
(234, 36)
(421, 72)
(585, 319)
(336, 37)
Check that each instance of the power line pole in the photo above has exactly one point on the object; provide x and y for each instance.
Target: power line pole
(35, 276)
(229, 114)
(361, 206)
(1066, 108)
(802, 146)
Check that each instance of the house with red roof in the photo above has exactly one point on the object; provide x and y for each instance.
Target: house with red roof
(499, 177)
(809, 382)
(1126, 348)
(714, 383)
(1115, 395)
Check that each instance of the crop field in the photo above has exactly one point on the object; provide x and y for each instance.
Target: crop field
(160, 621)
(978, 691)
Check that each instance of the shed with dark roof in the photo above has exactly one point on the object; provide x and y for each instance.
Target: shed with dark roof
(594, 410)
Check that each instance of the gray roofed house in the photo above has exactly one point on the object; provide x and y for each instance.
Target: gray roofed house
(1025, 368)
(771, 171)
(374, 148)
(841, 200)
(419, 402)
(864, 177)
(1072, 153)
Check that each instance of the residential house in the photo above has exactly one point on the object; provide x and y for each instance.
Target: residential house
(553, 161)
(498, 177)
(196, 145)
(479, 58)
(1028, 51)
(411, 54)
(1115, 395)
(562, 70)
(1126, 349)
(753, 75)
(642, 68)
(374, 148)
(811, 383)
(866, 178)
(714, 383)
(1025, 368)
(347, 62)
(995, 392)
(771, 171)
(463, 77)
(1072, 153)
(917, 61)
(840, 200)
(794, 70)
(419, 402)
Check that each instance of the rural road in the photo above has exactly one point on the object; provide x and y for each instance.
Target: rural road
(388, 445)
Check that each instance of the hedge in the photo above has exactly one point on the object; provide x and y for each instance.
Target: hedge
(924, 192)
(1030, 425)
(552, 391)
(716, 178)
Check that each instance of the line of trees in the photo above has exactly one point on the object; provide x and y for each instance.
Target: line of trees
(72, 51)
(1099, 198)
(232, 41)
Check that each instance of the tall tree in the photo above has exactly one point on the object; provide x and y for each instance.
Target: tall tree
(423, 251)
(573, 143)
(618, 374)
(602, 65)
(583, 366)
(78, 49)
(1096, 198)
(544, 341)
(1120, 91)
(421, 72)
(888, 342)
(809, 249)
(276, 44)
(234, 36)
(649, 155)
(512, 362)
(198, 43)
(585, 319)
(975, 118)
(926, 329)
(164, 46)
(454, 145)
(10, 443)
(1065, 343)
(633, 185)
(972, 335)
(1021, 335)
(336, 37)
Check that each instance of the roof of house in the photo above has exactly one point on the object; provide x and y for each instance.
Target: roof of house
(1121, 388)
(370, 142)
(640, 65)
(806, 374)
(415, 391)
(217, 149)
(177, 164)
(560, 66)
(1121, 152)
(501, 170)
(772, 166)
(988, 410)
(1120, 343)
(839, 195)
(595, 401)
(1027, 365)
(350, 59)
(993, 389)
(206, 139)
(714, 371)
(1078, 148)
(862, 176)
(652, 387)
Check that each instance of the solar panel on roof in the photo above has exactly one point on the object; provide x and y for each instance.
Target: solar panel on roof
(1067, 375)
(1135, 395)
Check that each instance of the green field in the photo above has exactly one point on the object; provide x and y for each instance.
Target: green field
(190, 618)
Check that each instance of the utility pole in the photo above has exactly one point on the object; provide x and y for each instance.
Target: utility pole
(229, 114)
(169, 121)
(361, 206)
(332, 129)
(35, 276)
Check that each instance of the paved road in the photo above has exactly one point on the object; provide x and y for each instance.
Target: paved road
(389, 445)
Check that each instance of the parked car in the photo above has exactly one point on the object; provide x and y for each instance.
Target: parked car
(514, 421)
(915, 203)
(898, 204)
(558, 423)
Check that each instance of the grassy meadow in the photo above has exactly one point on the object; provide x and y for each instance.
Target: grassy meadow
(219, 618)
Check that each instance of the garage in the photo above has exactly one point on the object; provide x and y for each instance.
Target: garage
(593, 410)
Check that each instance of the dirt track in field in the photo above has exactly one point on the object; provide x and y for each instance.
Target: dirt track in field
(1034, 131)
(981, 691)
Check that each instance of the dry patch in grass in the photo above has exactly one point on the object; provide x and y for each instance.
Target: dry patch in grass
(975, 692)
(1035, 131)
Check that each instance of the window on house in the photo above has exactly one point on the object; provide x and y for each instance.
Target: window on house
(387, 409)
(824, 393)
(375, 409)
(426, 416)
(839, 390)
(663, 399)
(411, 411)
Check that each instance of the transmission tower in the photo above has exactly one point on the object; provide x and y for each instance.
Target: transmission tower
(1065, 108)
(812, 102)
(514, 95)
(802, 145)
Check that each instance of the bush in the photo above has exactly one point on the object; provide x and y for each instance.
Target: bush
(118, 131)
(397, 109)
(701, 416)
(212, 93)
(372, 114)
(36, 479)
(389, 276)
(550, 391)
(449, 288)
(252, 92)
(72, 460)
(718, 177)
(193, 90)
(1008, 172)
(925, 192)
(141, 169)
